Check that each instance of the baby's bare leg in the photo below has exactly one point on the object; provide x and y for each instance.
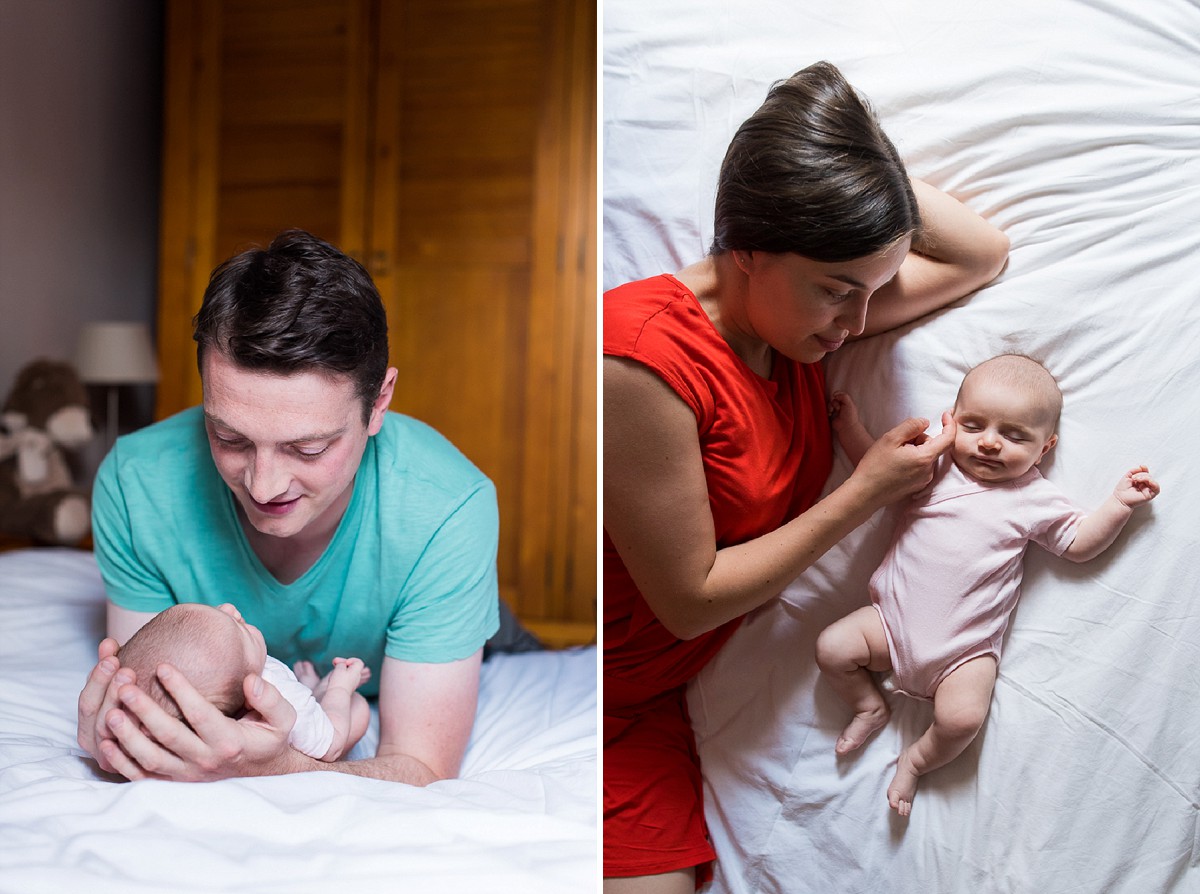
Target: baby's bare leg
(347, 710)
(847, 651)
(960, 706)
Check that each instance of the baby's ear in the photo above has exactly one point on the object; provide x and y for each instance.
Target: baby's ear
(1048, 446)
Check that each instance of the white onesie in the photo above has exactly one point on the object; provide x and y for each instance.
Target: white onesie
(313, 732)
(952, 576)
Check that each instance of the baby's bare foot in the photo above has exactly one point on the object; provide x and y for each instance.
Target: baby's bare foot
(306, 673)
(861, 727)
(904, 786)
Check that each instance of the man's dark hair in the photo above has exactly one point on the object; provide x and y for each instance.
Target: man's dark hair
(298, 305)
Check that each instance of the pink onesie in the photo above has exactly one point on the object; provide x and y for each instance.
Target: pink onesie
(952, 575)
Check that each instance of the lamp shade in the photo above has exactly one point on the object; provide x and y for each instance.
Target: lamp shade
(116, 354)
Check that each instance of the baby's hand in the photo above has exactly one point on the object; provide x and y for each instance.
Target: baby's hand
(1136, 487)
(842, 410)
(354, 665)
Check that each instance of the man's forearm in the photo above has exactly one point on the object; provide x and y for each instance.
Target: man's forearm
(390, 767)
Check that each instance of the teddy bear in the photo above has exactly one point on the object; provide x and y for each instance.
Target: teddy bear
(46, 413)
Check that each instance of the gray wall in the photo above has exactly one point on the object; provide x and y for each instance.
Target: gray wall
(80, 131)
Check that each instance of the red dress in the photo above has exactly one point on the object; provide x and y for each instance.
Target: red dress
(766, 447)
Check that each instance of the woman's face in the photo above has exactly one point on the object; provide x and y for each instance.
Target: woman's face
(804, 308)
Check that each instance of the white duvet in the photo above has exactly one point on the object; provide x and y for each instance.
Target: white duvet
(521, 818)
(1074, 127)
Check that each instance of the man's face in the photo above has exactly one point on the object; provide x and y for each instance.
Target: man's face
(288, 446)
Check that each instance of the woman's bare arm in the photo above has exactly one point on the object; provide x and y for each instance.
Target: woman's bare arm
(957, 252)
(657, 515)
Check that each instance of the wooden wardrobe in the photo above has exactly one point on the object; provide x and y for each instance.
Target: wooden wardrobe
(449, 145)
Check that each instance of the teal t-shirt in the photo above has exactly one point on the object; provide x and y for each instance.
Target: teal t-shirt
(410, 572)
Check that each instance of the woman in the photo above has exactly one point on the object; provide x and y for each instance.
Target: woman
(716, 437)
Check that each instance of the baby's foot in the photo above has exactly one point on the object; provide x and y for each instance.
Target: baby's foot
(904, 786)
(306, 673)
(861, 727)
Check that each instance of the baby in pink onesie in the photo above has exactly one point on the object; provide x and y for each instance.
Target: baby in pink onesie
(216, 649)
(942, 597)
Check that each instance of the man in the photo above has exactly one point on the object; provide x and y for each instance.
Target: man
(335, 527)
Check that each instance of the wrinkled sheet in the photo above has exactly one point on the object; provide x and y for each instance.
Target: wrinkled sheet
(522, 817)
(1074, 127)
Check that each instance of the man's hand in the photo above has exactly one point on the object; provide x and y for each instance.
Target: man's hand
(98, 697)
(148, 743)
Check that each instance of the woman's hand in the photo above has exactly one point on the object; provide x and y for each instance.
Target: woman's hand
(901, 462)
(149, 743)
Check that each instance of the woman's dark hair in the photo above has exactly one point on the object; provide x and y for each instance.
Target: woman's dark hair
(298, 305)
(812, 172)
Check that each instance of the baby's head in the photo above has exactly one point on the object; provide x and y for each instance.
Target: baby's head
(212, 647)
(1007, 411)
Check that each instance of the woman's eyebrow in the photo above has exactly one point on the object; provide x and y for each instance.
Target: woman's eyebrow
(848, 280)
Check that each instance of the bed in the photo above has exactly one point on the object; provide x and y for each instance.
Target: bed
(522, 817)
(1074, 127)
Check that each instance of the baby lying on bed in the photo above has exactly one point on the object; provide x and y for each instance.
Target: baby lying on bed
(943, 595)
(215, 648)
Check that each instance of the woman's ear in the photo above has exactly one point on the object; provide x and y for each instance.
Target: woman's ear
(744, 260)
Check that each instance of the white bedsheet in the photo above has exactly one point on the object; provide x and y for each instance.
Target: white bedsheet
(521, 818)
(1074, 127)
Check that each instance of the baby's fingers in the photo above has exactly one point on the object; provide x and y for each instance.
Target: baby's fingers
(1147, 485)
(354, 664)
